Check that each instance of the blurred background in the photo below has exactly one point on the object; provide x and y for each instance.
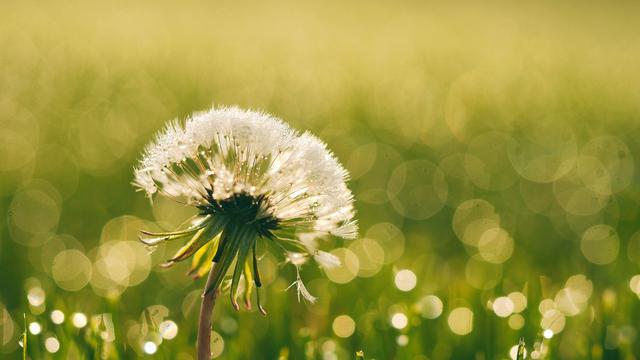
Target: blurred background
(493, 149)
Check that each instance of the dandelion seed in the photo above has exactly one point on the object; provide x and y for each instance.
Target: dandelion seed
(253, 179)
(296, 259)
(302, 290)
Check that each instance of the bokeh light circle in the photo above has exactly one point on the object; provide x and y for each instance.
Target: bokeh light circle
(495, 245)
(36, 296)
(553, 320)
(576, 198)
(546, 305)
(503, 306)
(348, 268)
(118, 265)
(149, 347)
(417, 189)
(399, 320)
(405, 280)
(217, 344)
(79, 320)
(606, 165)
(516, 321)
(361, 160)
(574, 297)
(52, 345)
(472, 218)
(168, 329)
(460, 321)
(71, 270)
(545, 151)
(430, 307)
(634, 284)
(34, 211)
(370, 256)
(35, 328)
(600, 244)
(343, 326)
(15, 150)
(374, 188)
(57, 317)
(10, 331)
(402, 340)
(519, 301)
(390, 238)
(487, 162)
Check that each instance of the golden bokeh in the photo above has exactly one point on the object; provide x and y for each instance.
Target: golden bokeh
(343, 326)
(71, 270)
(600, 244)
(460, 321)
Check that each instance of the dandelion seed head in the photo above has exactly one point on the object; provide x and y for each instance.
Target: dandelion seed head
(302, 289)
(229, 151)
(251, 176)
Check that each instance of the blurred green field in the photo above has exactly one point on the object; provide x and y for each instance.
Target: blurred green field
(493, 147)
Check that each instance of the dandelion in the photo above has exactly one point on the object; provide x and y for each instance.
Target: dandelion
(253, 179)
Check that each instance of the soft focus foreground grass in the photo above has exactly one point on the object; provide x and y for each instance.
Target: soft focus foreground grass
(84, 86)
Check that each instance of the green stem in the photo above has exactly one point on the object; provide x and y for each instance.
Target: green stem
(206, 315)
(236, 241)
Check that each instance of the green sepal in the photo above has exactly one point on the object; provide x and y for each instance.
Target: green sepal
(202, 237)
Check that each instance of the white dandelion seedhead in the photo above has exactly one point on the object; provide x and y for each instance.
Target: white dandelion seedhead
(246, 169)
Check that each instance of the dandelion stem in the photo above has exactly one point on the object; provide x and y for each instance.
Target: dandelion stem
(206, 315)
